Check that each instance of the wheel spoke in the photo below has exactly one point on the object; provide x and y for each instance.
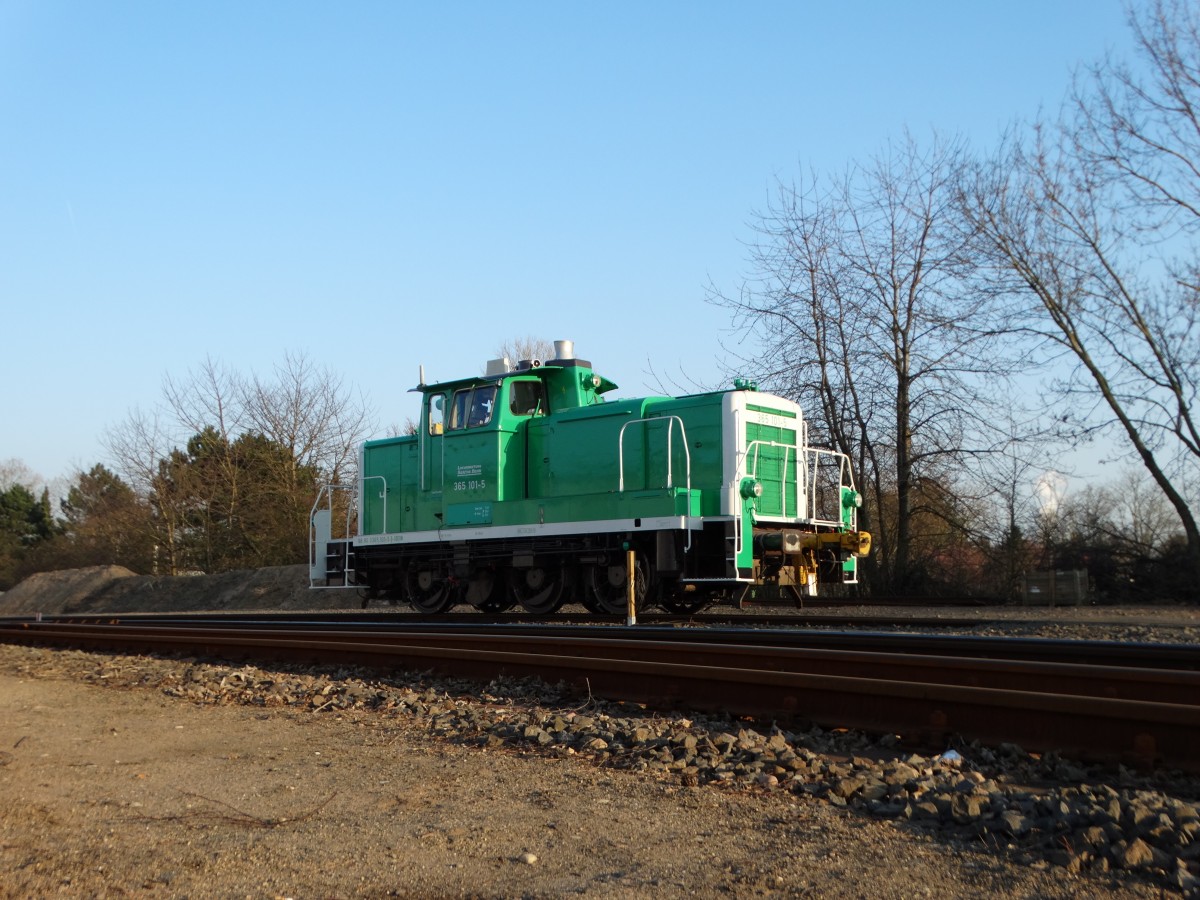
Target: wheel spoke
(429, 591)
(683, 603)
(609, 587)
(538, 589)
(485, 591)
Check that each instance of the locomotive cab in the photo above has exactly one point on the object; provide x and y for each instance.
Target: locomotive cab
(474, 435)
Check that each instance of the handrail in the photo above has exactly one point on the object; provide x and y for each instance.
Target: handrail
(327, 490)
(738, 467)
(670, 420)
(382, 495)
(806, 477)
(816, 454)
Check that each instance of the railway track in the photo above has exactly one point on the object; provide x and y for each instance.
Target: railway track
(759, 630)
(790, 619)
(1113, 701)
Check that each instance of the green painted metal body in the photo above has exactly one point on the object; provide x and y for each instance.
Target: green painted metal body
(538, 455)
(580, 460)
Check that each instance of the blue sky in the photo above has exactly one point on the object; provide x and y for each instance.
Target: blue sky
(382, 185)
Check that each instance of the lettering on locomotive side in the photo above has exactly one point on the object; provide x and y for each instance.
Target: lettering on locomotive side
(369, 539)
(771, 420)
(468, 470)
(474, 484)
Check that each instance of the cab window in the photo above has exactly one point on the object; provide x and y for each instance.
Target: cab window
(472, 407)
(483, 399)
(458, 409)
(527, 398)
(437, 412)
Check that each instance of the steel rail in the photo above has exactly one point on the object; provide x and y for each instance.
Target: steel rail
(517, 617)
(795, 619)
(1129, 683)
(748, 620)
(1138, 714)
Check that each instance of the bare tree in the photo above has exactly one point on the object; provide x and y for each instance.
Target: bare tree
(209, 409)
(1093, 225)
(408, 429)
(1146, 521)
(105, 523)
(14, 471)
(210, 397)
(231, 464)
(1006, 519)
(1124, 532)
(528, 347)
(311, 412)
(139, 448)
(864, 312)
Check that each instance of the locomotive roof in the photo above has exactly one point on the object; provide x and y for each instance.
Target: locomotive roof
(605, 384)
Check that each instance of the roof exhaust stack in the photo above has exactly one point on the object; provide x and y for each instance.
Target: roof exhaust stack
(564, 349)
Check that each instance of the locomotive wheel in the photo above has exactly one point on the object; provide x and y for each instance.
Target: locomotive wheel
(609, 588)
(538, 589)
(684, 603)
(429, 591)
(485, 592)
(587, 599)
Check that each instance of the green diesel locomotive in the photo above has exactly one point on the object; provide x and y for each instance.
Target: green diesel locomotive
(525, 486)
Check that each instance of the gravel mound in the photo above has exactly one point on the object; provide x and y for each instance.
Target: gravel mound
(67, 591)
(113, 589)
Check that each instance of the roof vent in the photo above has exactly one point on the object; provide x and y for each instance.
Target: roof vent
(564, 349)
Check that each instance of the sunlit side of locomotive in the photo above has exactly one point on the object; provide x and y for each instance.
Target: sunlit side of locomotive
(524, 486)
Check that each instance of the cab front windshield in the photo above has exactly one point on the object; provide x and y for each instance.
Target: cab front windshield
(472, 407)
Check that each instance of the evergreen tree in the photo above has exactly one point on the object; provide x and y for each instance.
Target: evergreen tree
(105, 523)
(25, 522)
